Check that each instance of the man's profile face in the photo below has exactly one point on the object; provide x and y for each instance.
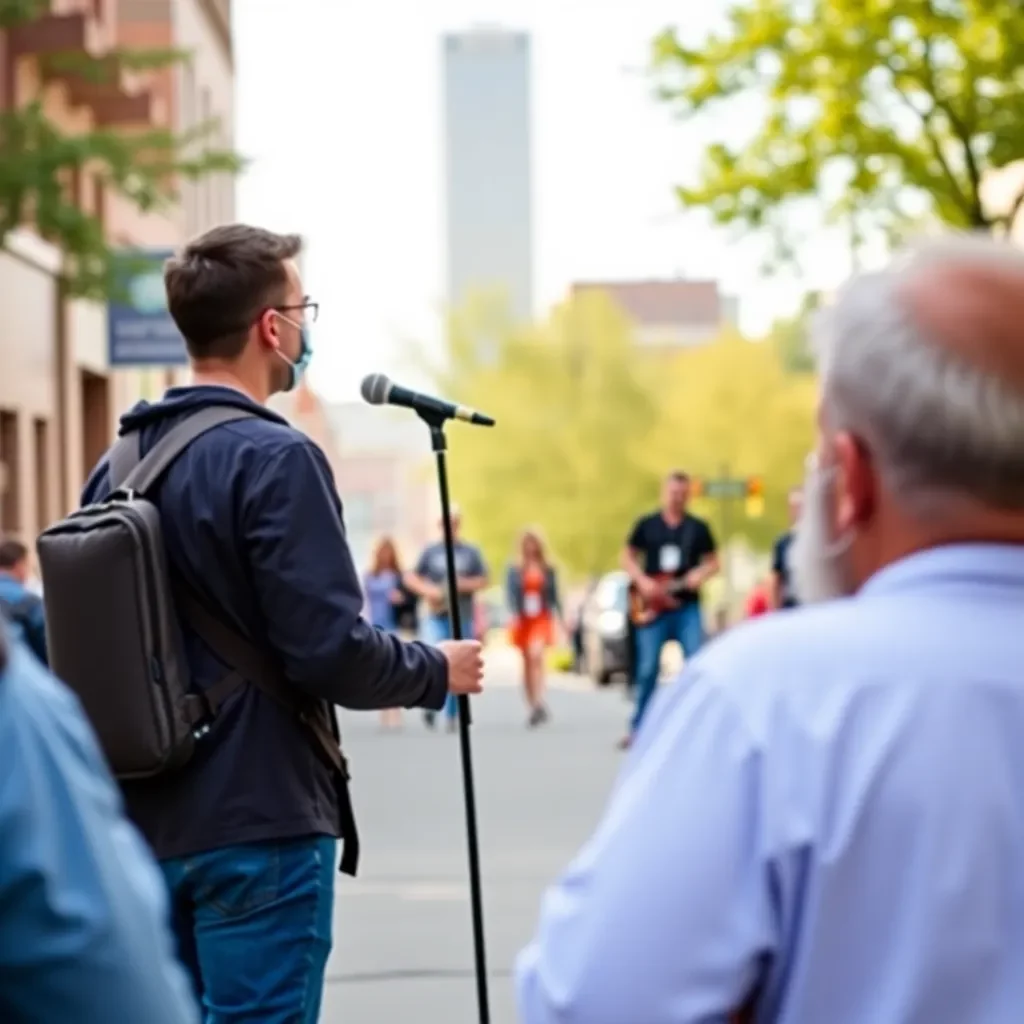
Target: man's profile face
(281, 326)
(674, 495)
(20, 570)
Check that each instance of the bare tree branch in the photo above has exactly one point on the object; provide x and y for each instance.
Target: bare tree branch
(962, 132)
(926, 118)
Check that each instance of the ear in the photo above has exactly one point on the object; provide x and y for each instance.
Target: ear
(268, 328)
(856, 484)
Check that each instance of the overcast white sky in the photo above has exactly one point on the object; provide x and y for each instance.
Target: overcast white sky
(339, 111)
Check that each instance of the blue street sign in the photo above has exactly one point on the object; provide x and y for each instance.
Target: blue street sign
(140, 331)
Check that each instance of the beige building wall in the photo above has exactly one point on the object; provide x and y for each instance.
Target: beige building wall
(205, 92)
(30, 479)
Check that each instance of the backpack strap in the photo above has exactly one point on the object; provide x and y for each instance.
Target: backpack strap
(130, 470)
(250, 664)
(122, 458)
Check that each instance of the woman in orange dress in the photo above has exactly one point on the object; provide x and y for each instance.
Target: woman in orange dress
(532, 590)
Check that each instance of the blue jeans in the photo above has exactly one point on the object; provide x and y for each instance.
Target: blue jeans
(683, 625)
(436, 628)
(253, 925)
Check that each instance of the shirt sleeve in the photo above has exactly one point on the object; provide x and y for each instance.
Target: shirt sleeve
(479, 565)
(311, 598)
(637, 539)
(705, 541)
(422, 566)
(512, 589)
(84, 933)
(665, 913)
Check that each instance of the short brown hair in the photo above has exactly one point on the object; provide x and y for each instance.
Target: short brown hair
(677, 476)
(220, 283)
(12, 553)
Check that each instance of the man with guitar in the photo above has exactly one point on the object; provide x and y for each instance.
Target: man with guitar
(669, 555)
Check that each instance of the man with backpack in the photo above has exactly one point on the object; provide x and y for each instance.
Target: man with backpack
(211, 512)
(22, 609)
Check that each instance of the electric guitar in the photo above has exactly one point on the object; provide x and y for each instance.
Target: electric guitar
(643, 611)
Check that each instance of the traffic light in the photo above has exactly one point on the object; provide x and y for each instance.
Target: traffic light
(755, 497)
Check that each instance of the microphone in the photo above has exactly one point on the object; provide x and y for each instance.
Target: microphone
(378, 389)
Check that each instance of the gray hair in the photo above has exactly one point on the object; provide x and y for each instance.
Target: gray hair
(937, 426)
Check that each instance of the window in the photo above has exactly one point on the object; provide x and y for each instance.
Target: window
(41, 432)
(613, 592)
(95, 435)
(10, 473)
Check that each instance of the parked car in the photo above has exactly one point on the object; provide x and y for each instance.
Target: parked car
(607, 633)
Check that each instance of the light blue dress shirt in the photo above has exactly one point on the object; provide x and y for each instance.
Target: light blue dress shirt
(84, 936)
(828, 805)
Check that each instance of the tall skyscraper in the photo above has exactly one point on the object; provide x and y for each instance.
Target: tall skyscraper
(488, 166)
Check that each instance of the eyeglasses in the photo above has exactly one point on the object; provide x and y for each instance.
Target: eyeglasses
(310, 310)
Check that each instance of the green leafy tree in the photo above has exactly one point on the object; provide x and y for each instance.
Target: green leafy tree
(888, 111)
(734, 408)
(791, 337)
(574, 405)
(38, 159)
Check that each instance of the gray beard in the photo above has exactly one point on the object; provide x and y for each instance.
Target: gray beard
(816, 560)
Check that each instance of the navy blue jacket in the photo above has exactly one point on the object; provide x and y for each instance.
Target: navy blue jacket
(253, 524)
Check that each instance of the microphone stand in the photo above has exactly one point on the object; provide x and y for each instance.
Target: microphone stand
(439, 444)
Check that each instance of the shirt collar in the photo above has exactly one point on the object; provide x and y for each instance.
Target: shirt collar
(971, 563)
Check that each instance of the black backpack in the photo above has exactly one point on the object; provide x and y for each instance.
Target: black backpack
(112, 607)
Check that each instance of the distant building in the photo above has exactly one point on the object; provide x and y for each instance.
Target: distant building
(381, 464)
(488, 167)
(671, 313)
(385, 476)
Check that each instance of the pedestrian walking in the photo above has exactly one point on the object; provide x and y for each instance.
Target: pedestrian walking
(531, 586)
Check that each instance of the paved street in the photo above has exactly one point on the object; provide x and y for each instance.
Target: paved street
(403, 938)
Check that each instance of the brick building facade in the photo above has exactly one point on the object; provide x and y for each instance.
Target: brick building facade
(59, 398)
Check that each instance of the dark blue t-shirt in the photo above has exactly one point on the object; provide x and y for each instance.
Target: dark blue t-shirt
(433, 566)
(780, 566)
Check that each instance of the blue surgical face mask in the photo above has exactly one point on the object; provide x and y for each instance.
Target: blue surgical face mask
(297, 370)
